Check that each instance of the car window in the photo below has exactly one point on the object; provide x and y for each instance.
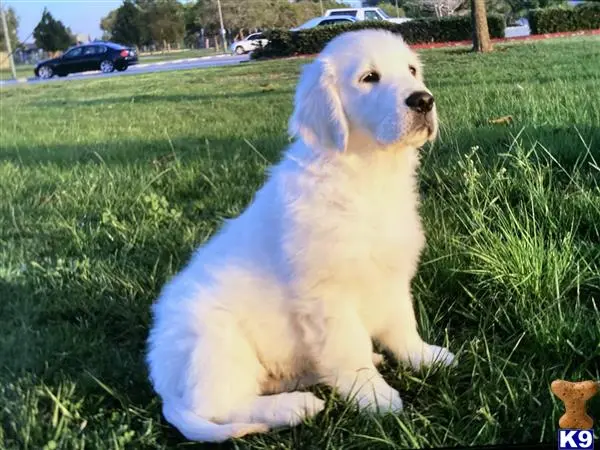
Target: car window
(91, 50)
(253, 37)
(334, 21)
(74, 52)
(101, 49)
(344, 13)
(372, 15)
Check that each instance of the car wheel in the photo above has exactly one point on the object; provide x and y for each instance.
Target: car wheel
(121, 67)
(239, 50)
(45, 72)
(107, 66)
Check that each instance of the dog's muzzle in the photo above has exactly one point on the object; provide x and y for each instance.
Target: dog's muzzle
(421, 104)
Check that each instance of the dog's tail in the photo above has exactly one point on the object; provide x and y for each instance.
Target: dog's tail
(196, 428)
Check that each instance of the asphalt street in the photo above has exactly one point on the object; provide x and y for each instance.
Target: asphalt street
(145, 67)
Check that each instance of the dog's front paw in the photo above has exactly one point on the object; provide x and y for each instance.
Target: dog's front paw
(291, 408)
(369, 391)
(429, 355)
(381, 399)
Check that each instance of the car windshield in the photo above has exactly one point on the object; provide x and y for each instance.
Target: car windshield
(383, 13)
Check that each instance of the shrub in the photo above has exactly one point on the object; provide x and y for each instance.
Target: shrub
(555, 20)
(311, 41)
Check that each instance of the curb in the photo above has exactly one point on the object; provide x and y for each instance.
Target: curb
(18, 80)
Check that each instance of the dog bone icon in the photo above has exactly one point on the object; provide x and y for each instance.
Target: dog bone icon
(575, 396)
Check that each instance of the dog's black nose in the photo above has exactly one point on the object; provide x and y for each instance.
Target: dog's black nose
(420, 101)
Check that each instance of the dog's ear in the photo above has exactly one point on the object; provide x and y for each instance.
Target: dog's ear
(318, 116)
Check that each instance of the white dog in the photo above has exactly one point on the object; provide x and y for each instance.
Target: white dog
(292, 292)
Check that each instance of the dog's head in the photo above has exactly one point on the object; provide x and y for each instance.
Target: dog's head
(366, 81)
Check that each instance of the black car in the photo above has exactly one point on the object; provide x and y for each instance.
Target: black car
(104, 56)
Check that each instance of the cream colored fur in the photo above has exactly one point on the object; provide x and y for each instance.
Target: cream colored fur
(293, 291)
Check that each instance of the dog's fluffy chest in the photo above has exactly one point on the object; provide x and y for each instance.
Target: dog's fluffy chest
(357, 216)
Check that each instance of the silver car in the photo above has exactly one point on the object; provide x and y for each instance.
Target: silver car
(252, 42)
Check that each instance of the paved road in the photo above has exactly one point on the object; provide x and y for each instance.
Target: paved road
(145, 67)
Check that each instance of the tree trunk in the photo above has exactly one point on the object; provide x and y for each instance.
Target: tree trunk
(481, 33)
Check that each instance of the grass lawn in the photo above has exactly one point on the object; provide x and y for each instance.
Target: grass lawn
(107, 185)
(197, 53)
(23, 71)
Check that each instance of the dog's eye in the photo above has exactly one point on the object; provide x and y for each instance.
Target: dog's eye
(370, 77)
(413, 70)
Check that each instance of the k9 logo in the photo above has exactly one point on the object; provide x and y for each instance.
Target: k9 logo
(575, 439)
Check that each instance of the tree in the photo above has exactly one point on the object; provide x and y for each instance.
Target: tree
(391, 9)
(165, 21)
(440, 8)
(261, 14)
(192, 13)
(107, 23)
(481, 34)
(13, 24)
(51, 35)
(128, 26)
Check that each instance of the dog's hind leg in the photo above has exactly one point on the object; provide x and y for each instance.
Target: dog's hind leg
(221, 385)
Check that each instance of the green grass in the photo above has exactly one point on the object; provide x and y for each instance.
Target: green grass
(197, 53)
(107, 187)
(23, 71)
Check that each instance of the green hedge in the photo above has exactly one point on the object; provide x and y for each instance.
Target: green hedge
(555, 20)
(287, 43)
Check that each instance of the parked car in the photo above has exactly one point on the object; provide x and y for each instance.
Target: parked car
(365, 14)
(252, 42)
(104, 56)
(324, 21)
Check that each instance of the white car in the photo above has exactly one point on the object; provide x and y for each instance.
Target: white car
(252, 42)
(324, 21)
(365, 14)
